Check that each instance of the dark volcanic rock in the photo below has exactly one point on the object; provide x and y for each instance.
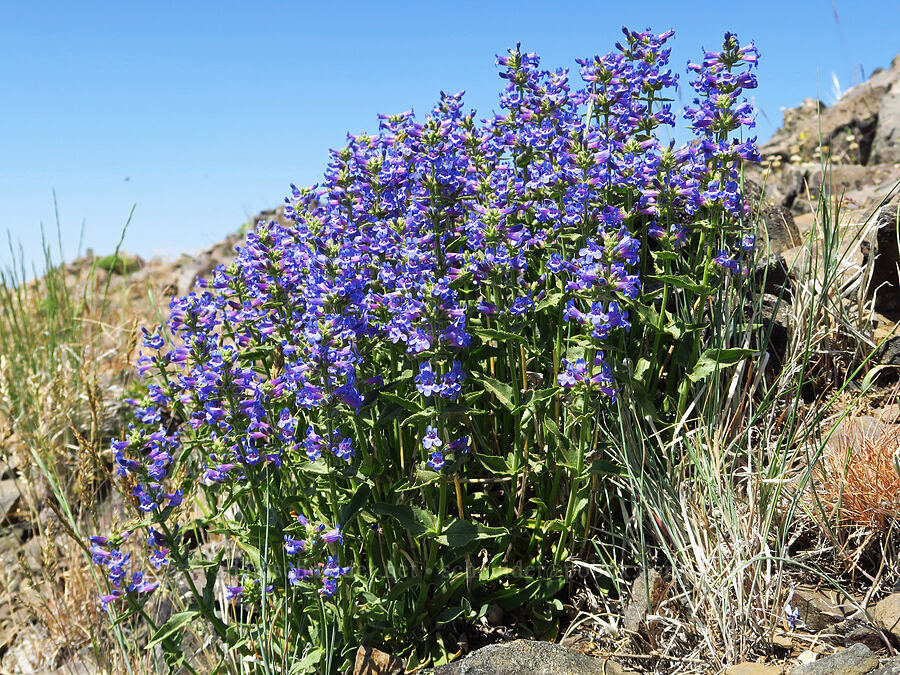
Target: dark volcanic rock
(775, 314)
(776, 221)
(850, 631)
(771, 275)
(887, 257)
(816, 610)
(888, 353)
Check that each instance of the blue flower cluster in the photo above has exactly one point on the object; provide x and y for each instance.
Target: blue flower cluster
(117, 564)
(308, 548)
(421, 238)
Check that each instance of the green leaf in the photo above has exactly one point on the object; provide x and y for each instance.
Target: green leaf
(251, 552)
(502, 391)
(870, 376)
(492, 573)
(555, 525)
(446, 592)
(553, 432)
(646, 313)
(472, 396)
(569, 457)
(449, 614)
(677, 327)
(412, 406)
(535, 396)
(401, 587)
(496, 465)
(641, 368)
(551, 300)
(453, 410)
(355, 505)
(416, 521)
(174, 625)
(713, 359)
(425, 477)
(211, 573)
(424, 416)
(318, 467)
(498, 335)
(312, 658)
(681, 281)
(460, 533)
(605, 468)
(516, 596)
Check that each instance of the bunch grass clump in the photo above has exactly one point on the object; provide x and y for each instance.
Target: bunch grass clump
(411, 403)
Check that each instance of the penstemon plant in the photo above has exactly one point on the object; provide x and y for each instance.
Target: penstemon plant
(381, 418)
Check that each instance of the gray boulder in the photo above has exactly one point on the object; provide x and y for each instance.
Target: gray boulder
(886, 144)
(857, 660)
(525, 657)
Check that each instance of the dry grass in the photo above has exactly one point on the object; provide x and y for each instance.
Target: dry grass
(859, 485)
(64, 339)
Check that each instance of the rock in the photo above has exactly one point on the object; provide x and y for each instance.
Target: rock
(9, 497)
(883, 285)
(777, 230)
(845, 131)
(888, 352)
(32, 554)
(371, 661)
(886, 144)
(807, 656)
(526, 657)
(750, 668)
(83, 664)
(857, 660)
(783, 641)
(647, 593)
(771, 275)
(817, 611)
(859, 137)
(31, 653)
(845, 181)
(886, 614)
(889, 667)
(783, 185)
(775, 315)
(838, 178)
(853, 630)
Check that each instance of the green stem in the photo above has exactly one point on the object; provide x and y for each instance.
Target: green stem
(220, 627)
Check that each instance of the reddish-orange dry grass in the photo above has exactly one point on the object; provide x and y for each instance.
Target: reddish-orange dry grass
(859, 483)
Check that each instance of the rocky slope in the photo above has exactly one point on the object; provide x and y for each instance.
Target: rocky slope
(859, 137)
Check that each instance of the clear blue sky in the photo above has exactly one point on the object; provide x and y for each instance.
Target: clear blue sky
(202, 113)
